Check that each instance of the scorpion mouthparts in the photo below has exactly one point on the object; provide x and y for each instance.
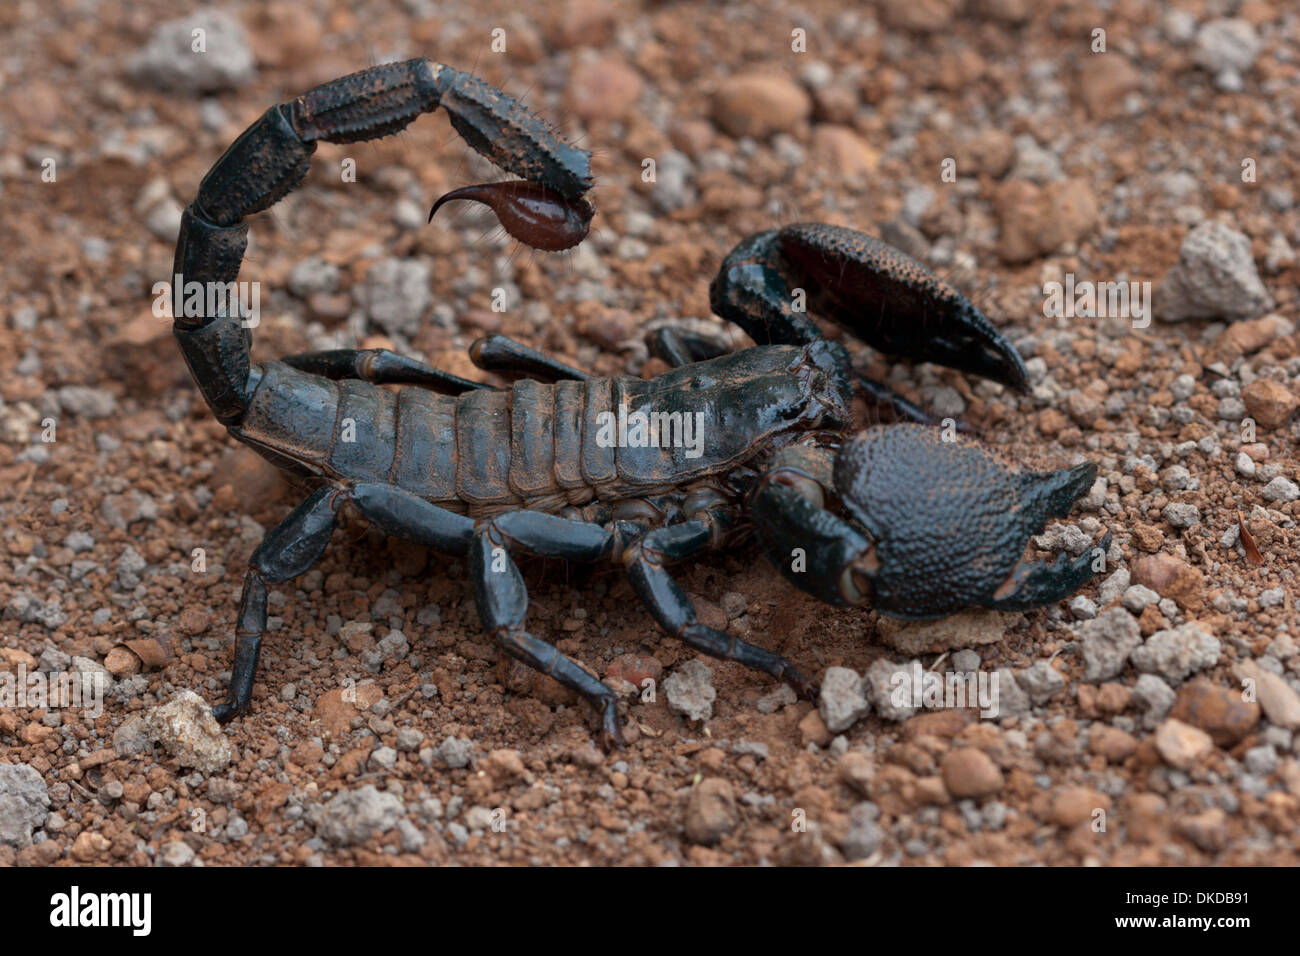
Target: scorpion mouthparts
(532, 213)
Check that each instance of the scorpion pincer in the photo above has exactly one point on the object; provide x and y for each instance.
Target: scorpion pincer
(892, 517)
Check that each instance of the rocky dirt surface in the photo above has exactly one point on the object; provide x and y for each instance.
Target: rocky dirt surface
(1152, 719)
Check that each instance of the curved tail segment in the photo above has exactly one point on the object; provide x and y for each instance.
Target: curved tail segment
(272, 156)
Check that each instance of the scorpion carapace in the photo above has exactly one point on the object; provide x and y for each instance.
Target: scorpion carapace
(642, 472)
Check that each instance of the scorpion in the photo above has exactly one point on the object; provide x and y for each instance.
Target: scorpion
(916, 523)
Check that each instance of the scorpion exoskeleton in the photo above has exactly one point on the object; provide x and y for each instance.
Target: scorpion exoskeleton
(894, 516)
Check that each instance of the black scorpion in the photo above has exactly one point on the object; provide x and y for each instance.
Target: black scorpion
(893, 517)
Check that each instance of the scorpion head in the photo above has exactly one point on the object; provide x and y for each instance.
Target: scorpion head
(949, 521)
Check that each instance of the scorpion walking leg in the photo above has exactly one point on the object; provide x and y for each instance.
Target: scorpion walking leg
(288, 550)
(676, 614)
(499, 590)
(502, 597)
(500, 353)
(678, 347)
(880, 395)
(381, 367)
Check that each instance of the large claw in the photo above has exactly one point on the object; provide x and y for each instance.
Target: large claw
(950, 521)
(883, 296)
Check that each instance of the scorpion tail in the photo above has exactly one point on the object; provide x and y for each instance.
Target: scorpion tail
(271, 158)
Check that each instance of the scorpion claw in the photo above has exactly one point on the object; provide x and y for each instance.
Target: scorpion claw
(534, 214)
(896, 304)
(955, 537)
(1035, 583)
(883, 296)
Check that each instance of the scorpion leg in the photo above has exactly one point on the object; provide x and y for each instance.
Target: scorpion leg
(884, 297)
(676, 614)
(380, 367)
(880, 395)
(500, 353)
(678, 347)
(502, 597)
(288, 550)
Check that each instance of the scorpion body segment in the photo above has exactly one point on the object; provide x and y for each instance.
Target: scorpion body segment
(566, 464)
(544, 446)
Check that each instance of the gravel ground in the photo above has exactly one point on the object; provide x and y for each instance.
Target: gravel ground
(1151, 719)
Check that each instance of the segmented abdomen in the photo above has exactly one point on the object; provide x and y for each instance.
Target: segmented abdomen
(537, 445)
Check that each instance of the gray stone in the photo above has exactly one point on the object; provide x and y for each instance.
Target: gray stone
(96, 681)
(690, 691)
(313, 276)
(455, 752)
(354, 816)
(1177, 653)
(1226, 45)
(879, 685)
(24, 803)
(396, 294)
(1040, 682)
(132, 737)
(774, 700)
(1113, 588)
(409, 740)
(1107, 642)
(175, 853)
(1214, 278)
(1083, 607)
(864, 835)
(841, 702)
(1138, 598)
(1261, 760)
(672, 189)
(186, 728)
(85, 402)
(1182, 515)
(1013, 700)
(1280, 490)
(1154, 697)
(79, 542)
(170, 62)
